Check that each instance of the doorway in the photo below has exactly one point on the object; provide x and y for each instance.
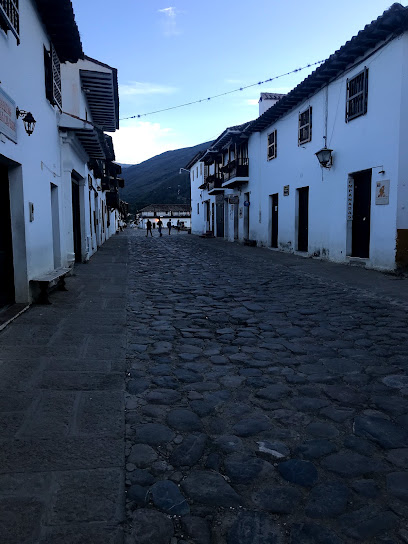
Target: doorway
(246, 216)
(7, 292)
(303, 219)
(76, 222)
(55, 226)
(219, 203)
(275, 222)
(212, 217)
(360, 245)
(236, 221)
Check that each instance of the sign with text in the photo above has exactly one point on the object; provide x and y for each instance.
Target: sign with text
(382, 192)
(8, 117)
(286, 190)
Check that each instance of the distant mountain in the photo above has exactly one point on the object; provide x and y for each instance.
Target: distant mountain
(157, 180)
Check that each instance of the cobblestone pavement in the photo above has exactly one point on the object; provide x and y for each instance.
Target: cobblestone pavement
(267, 398)
(62, 425)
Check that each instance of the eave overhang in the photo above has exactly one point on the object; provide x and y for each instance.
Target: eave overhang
(59, 20)
(91, 138)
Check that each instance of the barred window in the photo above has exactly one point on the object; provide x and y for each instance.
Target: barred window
(10, 17)
(52, 77)
(305, 126)
(357, 95)
(272, 145)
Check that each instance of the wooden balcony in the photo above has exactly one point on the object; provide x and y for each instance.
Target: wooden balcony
(236, 172)
(215, 184)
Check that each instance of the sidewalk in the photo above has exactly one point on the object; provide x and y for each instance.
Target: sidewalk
(62, 373)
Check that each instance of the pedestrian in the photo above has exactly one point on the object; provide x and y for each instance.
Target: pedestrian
(149, 228)
(178, 226)
(169, 226)
(159, 226)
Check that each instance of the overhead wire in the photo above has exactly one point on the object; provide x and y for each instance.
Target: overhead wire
(138, 116)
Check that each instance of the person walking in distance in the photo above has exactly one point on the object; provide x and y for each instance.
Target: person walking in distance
(178, 226)
(149, 228)
(169, 226)
(159, 226)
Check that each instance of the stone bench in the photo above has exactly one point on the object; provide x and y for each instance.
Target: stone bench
(50, 279)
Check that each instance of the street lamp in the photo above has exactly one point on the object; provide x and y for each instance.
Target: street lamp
(325, 158)
(28, 120)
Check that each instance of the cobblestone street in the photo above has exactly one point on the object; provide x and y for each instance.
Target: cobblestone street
(193, 391)
(268, 398)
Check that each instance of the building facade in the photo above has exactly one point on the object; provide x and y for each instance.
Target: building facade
(351, 207)
(49, 175)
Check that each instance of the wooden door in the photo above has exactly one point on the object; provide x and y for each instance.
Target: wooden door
(303, 224)
(275, 222)
(76, 222)
(6, 244)
(361, 214)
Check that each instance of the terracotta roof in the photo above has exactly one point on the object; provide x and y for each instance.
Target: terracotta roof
(59, 20)
(392, 23)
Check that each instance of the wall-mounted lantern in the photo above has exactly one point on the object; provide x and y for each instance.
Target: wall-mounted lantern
(325, 158)
(28, 120)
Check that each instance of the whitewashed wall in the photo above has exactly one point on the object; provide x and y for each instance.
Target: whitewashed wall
(374, 141)
(38, 157)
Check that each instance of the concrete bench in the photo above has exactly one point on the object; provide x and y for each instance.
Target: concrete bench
(50, 279)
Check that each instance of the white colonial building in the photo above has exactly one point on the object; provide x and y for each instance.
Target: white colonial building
(264, 182)
(57, 179)
(177, 214)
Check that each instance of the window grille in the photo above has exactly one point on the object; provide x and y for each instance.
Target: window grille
(272, 145)
(10, 17)
(357, 95)
(305, 126)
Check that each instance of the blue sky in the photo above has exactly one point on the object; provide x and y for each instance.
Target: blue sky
(168, 53)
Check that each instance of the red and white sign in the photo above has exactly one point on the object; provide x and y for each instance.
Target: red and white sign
(8, 117)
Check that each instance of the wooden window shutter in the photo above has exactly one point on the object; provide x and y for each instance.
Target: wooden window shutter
(48, 76)
(56, 76)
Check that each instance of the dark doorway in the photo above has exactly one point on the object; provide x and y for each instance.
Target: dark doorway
(246, 216)
(212, 217)
(303, 221)
(274, 237)
(361, 214)
(76, 222)
(6, 244)
(219, 212)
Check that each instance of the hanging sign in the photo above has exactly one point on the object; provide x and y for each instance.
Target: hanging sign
(286, 190)
(382, 192)
(234, 199)
(8, 117)
(246, 204)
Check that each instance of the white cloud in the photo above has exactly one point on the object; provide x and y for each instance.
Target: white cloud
(141, 88)
(252, 101)
(137, 143)
(169, 21)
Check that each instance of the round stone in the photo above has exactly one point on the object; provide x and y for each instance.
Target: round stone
(184, 420)
(299, 472)
(167, 497)
(277, 500)
(142, 455)
(149, 526)
(327, 500)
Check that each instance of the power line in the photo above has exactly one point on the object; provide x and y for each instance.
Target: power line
(224, 94)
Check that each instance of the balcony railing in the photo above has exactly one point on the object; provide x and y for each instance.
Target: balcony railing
(9, 17)
(238, 168)
(215, 183)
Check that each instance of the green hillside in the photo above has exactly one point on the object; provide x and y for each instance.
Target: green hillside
(157, 180)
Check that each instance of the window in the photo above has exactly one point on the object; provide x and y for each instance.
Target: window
(357, 95)
(192, 171)
(52, 77)
(305, 126)
(198, 208)
(272, 142)
(197, 171)
(9, 17)
(201, 168)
